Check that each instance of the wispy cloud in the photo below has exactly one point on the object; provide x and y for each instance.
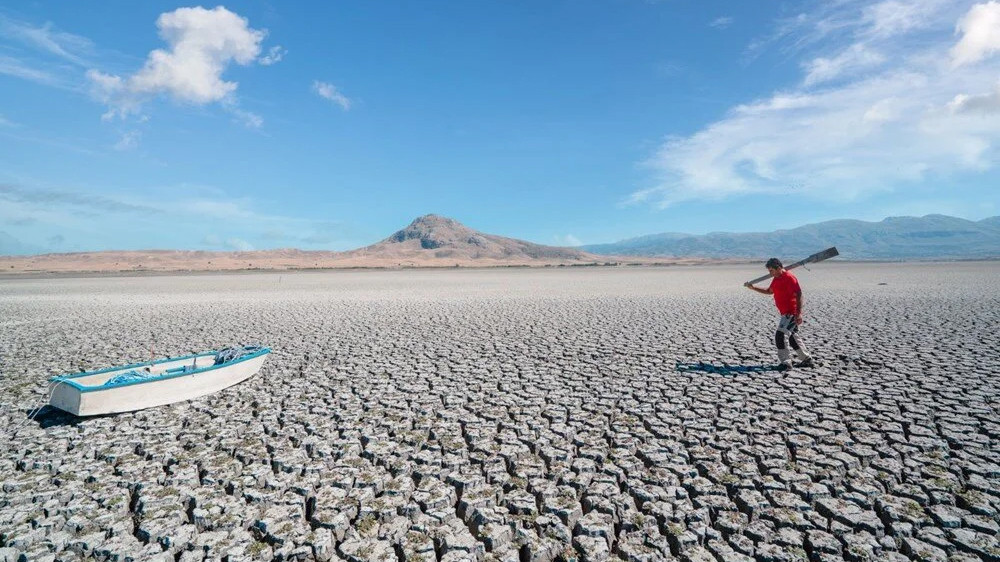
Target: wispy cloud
(835, 24)
(721, 22)
(43, 54)
(80, 146)
(855, 58)
(317, 239)
(273, 56)
(246, 118)
(19, 69)
(216, 209)
(238, 244)
(668, 69)
(46, 38)
(567, 240)
(92, 202)
(981, 103)
(891, 94)
(328, 91)
(241, 213)
(209, 215)
(215, 242)
(201, 44)
(128, 141)
(323, 236)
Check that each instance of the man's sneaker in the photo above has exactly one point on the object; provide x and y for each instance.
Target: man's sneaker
(807, 362)
(784, 366)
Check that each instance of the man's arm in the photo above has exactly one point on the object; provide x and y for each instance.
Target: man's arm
(766, 291)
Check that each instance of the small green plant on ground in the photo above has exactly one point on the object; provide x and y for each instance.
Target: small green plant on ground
(366, 524)
(256, 549)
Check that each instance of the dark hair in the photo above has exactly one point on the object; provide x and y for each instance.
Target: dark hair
(773, 263)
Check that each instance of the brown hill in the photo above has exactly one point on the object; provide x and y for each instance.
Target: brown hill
(437, 238)
(429, 241)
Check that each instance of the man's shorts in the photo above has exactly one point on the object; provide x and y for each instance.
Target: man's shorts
(787, 325)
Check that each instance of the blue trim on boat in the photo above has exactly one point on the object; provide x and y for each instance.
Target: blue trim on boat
(68, 379)
(133, 366)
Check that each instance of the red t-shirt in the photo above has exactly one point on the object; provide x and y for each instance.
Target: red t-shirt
(786, 293)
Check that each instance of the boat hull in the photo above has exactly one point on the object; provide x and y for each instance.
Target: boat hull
(83, 400)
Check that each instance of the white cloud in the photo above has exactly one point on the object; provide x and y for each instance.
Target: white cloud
(232, 243)
(721, 23)
(896, 114)
(228, 209)
(128, 141)
(239, 244)
(856, 57)
(201, 45)
(248, 119)
(329, 91)
(273, 56)
(568, 240)
(854, 21)
(980, 30)
(317, 239)
(892, 18)
(983, 103)
(668, 69)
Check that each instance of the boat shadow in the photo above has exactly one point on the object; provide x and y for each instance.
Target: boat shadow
(54, 417)
(725, 368)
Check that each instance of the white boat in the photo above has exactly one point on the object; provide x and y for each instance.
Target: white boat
(154, 383)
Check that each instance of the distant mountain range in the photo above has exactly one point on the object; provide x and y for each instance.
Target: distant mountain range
(436, 241)
(429, 241)
(895, 238)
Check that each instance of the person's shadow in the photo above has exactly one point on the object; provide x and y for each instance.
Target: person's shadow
(725, 368)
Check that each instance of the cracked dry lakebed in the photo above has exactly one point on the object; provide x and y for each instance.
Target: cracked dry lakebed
(513, 414)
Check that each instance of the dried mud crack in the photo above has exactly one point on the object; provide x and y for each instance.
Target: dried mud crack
(517, 415)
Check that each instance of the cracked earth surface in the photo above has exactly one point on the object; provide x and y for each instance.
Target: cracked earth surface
(522, 415)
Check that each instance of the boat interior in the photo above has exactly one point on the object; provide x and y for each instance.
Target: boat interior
(154, 369)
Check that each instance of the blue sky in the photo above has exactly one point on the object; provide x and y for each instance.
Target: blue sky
(328, 125)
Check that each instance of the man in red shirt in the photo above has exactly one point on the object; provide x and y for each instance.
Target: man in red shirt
(788, 297)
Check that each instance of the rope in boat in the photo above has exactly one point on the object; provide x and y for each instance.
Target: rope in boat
(225, 355)
(235, 352)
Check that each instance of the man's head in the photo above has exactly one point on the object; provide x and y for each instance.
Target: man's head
(773, 266)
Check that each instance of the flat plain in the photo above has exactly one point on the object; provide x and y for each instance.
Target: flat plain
(513, 414)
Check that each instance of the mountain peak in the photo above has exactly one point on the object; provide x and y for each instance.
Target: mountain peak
(435, 231)
(443, 238)
(433, 218)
